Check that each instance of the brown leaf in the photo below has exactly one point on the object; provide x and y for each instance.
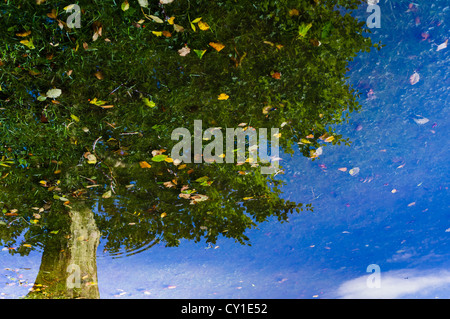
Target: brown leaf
(99, 75)
(52, 15)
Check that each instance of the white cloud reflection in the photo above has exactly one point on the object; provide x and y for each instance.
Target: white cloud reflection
(399, 284)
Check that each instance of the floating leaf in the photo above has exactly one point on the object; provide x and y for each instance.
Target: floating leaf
(53, 93)
(28, 43)
(143, 3)
(354, 171)
(305, 141)
(276, 75)
(107, 194)
(99, 75)
(24, 34)
(91, 159)
(217, 46)
(75, 118)
(414, 78)
(178, 28)
(293, 12)
(196, 20)
(184, 51)
(97, 102)
(303, 29)
(144, 164)
(171, 19)
(223, 97)
(421, 121)
(156, 19)
(157, 33)
(442, 46)
(203, 26)
(159, 158)
(200, 53)
(125, 5)
(202, 179)
(148, 102)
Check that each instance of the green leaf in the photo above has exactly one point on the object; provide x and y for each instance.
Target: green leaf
(125, 5)
(200, 53)
(303, 29)
(159, 158)
(148, 102)
(202, 179)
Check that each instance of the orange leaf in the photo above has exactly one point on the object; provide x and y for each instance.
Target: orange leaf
(217, 46)
(144, 164)
(276, 75)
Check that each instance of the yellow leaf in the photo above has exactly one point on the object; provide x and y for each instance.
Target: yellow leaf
(97, 102)
(91, 159)
(157, 33)
(24, 34)
(193, 27)
(75, 118)
(329, 139)
(144, 164)
(305, 141)
(196, 20)
(28, 43)
(182, 166)
(169, 160)
(125, 5)
(163, 215)
(294, 12)
(223, 96)
(217, 46)
(107, 194)
(171, 20)
(148, 102)
(26, 245)
(106, 106)
(203, 26)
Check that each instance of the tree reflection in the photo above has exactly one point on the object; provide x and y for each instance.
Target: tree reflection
(124, 87)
